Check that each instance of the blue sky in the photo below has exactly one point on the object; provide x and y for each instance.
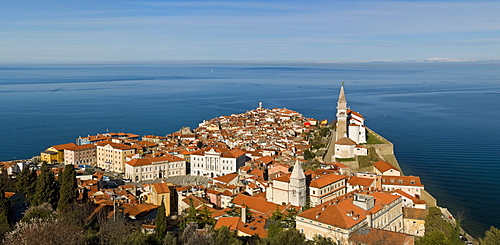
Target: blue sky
(311, 31)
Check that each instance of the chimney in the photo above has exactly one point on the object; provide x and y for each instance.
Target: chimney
(243, 214)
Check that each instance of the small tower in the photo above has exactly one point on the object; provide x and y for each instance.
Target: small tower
(341, 127)
(297, 187)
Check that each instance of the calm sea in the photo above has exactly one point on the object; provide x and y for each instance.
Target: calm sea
(442, 117)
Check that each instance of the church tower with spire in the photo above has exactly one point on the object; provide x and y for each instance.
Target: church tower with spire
(297, 188)
(341, 127)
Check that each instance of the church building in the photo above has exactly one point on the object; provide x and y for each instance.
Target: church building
(289, 188)
(350, 130)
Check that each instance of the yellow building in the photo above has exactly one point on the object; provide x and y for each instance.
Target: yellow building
(55, 153)
(414, 221)
(161, 192)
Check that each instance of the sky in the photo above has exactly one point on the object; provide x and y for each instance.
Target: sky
(33, 31)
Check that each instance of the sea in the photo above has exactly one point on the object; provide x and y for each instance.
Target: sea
(441, 117)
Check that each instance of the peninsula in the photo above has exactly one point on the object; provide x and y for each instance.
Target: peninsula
(263, 175)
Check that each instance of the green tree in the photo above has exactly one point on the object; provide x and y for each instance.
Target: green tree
(23, 181)
(169, 239)
(47, 189)
(224, 236)
(321, 240)
(492, 237)
(277, 215)
(41, 212)
(8, 183)
(438, 230)
(5, 209)
(275, 229)
(308, 154)
(289, 237)
(161, 221)
(291, 213)
(204, 217)
(69, 188)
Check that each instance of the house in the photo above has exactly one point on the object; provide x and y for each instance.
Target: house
(385, 168)
(155, 168)
(81, 155)
(160, 192)
(360, 183)
(414, 221)
(409, 184)
(216, 161)
(55, 153)
(228, 179)
(410, 201)
(326, 188)
(112, 156)
(341, 217)
(289, 188)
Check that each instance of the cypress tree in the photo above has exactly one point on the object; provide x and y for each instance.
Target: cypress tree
(69, 188)
(47, 190)
(25, 183)
(161, 221)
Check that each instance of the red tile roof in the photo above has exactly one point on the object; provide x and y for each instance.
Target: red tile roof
(401, 180)
(384, 166)
(334, 212)
(326, 180)
(161, 187)
(359, 181)
(63, 146)
(226, 178)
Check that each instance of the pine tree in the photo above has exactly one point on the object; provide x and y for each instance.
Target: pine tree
(69, 188)
(492, 236)
(161, 221)
(47, 189)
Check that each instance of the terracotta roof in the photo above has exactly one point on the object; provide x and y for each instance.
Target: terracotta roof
(371, 236)
(384, 166)
(115, 145)
(345, 141)
(355, 181)
(147, 161)
(412, 198)
(334, 212)
(230, 222)
(415, 213)
(138, 209)
(257, 172)
(326, 180)
(257, 204)
(63, 146)
(355, 113)
(283, 178)
(161, 187)
(226, 178)
(401, 180)
(82, 147)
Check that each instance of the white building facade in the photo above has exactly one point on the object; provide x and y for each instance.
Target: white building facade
(155, 168)
(215, 162)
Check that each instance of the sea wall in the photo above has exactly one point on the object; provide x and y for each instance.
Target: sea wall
(385, 151)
